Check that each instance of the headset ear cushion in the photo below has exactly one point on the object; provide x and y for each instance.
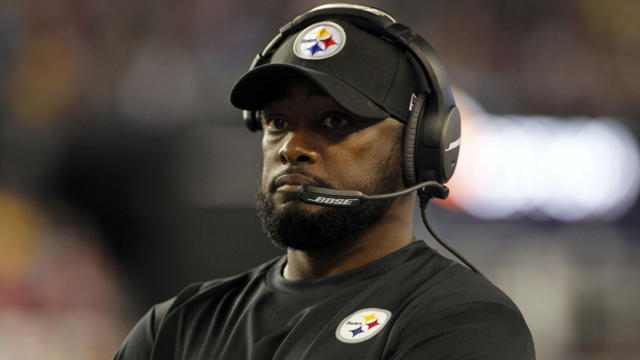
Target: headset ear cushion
(252, 119)
(409, 143)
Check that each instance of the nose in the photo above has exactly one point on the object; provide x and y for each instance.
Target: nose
(298, 148)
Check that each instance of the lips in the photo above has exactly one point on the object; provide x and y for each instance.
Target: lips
(293, 180)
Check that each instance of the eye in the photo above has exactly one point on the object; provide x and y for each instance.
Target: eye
(336, 121)
(275, 123)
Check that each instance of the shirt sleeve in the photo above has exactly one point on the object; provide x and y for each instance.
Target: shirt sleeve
(139, 343)
(475, 331)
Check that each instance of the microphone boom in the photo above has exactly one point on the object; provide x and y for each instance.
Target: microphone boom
(333, 197)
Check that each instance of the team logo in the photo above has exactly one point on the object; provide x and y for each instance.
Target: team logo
(319, 41)
(362, 325)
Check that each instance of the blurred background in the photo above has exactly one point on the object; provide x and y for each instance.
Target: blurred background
(125, 174)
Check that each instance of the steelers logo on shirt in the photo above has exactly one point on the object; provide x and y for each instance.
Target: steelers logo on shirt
(362, 325)
(319, 41)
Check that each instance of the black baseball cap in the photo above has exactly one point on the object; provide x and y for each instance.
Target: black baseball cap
(364, 73)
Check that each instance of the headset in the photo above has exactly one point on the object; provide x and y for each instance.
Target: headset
(432, 132)
(431, 140)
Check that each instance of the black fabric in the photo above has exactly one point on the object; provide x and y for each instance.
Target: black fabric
(253, 88)
(439, 310)
(369, 76)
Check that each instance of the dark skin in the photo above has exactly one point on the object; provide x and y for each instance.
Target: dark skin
(308, 130)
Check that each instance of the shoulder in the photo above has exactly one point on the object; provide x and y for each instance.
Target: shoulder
(459, 314)
(481, 330)
(442, 283)
(457, 285)
(140, 341)
(205, 290)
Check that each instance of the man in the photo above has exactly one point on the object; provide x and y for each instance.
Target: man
(335, 100)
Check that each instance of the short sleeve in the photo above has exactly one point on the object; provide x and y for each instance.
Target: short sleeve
(139, 343)
(475, 331)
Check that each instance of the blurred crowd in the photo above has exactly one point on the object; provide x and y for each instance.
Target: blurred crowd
(173, 61)
(100, 99)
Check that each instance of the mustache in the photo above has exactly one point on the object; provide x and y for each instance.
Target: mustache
(317, 181)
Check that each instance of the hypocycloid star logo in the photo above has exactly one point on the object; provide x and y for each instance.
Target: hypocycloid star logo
(319, 41)
(362, 325)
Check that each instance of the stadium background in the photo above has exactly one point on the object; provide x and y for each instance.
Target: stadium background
(125, 173)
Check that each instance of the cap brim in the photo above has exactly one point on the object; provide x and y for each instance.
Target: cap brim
(252, 91)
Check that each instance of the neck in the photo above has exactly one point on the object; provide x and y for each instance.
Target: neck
(390, 234)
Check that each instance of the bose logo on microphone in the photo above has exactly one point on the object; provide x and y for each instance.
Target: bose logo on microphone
(332, 201)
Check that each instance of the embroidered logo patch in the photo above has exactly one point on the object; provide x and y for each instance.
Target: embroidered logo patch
(319, 41)
(362, 325)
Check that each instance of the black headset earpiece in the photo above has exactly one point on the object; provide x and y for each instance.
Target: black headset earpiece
(432, 132)
(434, 148)
(252, 119)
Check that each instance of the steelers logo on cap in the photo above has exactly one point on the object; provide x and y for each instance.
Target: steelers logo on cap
(319, 41)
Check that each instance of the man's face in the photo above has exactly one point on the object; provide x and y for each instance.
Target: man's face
(310, 139)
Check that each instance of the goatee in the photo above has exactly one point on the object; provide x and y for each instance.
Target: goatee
(292, 226)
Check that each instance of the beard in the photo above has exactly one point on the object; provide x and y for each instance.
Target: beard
(331, 227)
